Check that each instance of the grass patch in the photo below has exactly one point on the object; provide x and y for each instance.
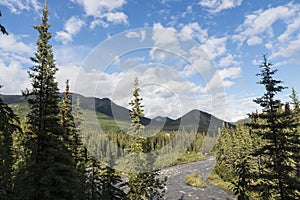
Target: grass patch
(188, 157)
(195, 180)
(215, 180)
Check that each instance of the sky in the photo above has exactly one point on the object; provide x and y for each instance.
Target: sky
(196, 54)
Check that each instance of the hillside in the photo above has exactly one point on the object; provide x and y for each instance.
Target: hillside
(115, 117)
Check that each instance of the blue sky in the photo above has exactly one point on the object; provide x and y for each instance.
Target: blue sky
(201, 54)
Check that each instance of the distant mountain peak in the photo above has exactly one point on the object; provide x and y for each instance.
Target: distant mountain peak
(192, 120)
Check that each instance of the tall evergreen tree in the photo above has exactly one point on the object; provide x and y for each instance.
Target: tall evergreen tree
(49, 172)
(276, 181)
(111, 181)
(93, 174)
(72, 140)
(296, 138)
(9, 123)
(143, 180)
(72, 127)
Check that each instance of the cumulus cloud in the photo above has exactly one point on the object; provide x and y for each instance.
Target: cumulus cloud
(222, 79)
(254, 40)
(165, 38)
(239, 105)
(193, 31)
(261, 22)
(14, 50)
(215, 47)
(165, 91)
(137, 34)
(17, 6)
(291, 48)
(13, 43)
(291, 28)
(216, 6)
(228, 60)
(97, 7)
(13, 78)
(199, 59)
(116, 17)
(72, 26)
(104, 11)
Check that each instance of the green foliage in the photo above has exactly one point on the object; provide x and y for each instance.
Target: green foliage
(216, 180)
(49, 171)
(136, 128)
(9, 124)
(242, 184)
(143, 180)
(195, 180)
(276, 179)
(262, 162)
(93, 181)
(188, 157)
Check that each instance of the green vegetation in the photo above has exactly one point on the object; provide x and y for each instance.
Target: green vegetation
(47, 150)
(195, 180)
(143, 180)
(216, 180)
(188, 157)
(261, 160)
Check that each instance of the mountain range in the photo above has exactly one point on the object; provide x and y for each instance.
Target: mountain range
(193, 120)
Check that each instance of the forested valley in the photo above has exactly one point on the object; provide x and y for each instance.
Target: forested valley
(47, 153)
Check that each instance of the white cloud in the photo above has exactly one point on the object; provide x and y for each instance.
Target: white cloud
(98, 22)
(216, 6)
(96, 8)
(166, 38)
(215, 47)
(193, 30)
(72, 26)
(289, 49)
(13, 50)
(68, 71)
(13, 78)
(261, 22)
(17, 6)
(137, 34)
(104, 9)
(254, 40)
(199, 59)
(228, 60)
(117, 17)
(63, 36)
(292, 27)
(13, 43)
(222, 79)
(164, 90)
(239, 105)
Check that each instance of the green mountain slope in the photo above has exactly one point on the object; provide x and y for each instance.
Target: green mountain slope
(106, 115)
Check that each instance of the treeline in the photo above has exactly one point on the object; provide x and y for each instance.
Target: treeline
(262, 158)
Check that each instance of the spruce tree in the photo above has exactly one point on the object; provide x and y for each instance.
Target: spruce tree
(9, 124)
(49, 172)
(296, 137)
(72, 139)
(275, 179)
(93, 174)
(111, 180)
(143, 180)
